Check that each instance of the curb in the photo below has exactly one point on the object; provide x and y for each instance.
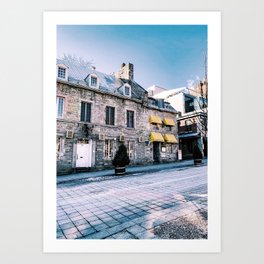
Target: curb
(128, 173)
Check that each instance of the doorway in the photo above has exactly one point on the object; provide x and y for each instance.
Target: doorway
(84, 154)
(156, 152)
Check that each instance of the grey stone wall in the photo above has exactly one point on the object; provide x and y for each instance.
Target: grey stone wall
(143, 151)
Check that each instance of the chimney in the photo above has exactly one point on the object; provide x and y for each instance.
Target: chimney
(126, 71)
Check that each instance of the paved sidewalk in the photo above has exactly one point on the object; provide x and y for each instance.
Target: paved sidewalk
(169, 204)
(129, 170)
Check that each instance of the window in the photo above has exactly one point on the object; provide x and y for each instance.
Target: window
(61, 73)
(86, 112)
(168, 128)
(109, 149)
(93, 81)
(169, 148)
(189, 104)
(188, 125)
(130, 148)
(127, 90)
(155, 126)
(60, 103)
(130, 119)
(110, 115)
(60, 142)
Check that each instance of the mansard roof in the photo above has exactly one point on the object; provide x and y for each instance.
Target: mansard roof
(78, 74)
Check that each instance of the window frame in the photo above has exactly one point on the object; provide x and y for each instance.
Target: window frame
(189, 104)
(62, 66)
(58, 106)
(124, 90)
(130, 145)
(90, 81)
(127, 118)
(59, 148)
(109, 149)
(169, 149)
(85, 112)
(109, 115)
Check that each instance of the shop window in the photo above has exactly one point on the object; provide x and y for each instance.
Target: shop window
(130, 149)
(109, 149)
(169, 148)
(60, 145)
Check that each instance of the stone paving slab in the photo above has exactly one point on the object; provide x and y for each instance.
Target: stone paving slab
(129, 207)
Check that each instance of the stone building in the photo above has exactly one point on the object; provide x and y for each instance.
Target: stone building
(97, 112)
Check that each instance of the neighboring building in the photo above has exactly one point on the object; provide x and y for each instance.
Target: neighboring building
(192, 116)
(97, 112)
(154, 89)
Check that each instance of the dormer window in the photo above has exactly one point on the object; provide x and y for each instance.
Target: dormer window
(127, 90)
(93, 81)
(62, 72)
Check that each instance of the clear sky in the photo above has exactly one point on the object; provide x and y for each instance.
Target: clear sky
(169, 56)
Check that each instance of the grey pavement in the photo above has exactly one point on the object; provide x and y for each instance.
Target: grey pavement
(129, 170)
(133, 207)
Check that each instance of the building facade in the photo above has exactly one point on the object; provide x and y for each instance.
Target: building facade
(191, 105)
(97, 112)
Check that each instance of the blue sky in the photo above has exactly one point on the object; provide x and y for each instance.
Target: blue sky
(166, 55)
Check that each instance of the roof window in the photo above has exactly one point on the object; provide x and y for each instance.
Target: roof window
(93, 81)
(62, 72)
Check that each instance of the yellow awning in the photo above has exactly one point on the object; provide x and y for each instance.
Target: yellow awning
(169, 122)
(156, 137)
(155, 119)
(169, 138)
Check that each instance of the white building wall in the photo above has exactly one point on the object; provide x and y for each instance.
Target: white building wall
(177, 102)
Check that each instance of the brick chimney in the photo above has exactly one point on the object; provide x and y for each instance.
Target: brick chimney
(126, 71)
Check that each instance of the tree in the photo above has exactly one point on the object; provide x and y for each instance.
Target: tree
(72, 59)
(121, 158)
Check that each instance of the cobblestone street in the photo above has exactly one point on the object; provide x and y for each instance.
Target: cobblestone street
(169, 204)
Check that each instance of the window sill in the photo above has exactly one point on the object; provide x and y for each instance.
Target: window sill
(63, 79)
(84, 122)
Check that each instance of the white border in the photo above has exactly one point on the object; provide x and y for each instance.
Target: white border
(51, 20)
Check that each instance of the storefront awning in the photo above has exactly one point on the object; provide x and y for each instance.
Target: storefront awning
(190, 135)
(156, 137)
(169, 122)
(169, 138)
(155, 119)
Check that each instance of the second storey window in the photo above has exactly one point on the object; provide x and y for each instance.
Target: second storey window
(85, 112)
(110, 115)
(130, 119)
(61, 73)
(60, 103)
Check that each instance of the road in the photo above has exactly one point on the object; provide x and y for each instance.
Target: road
(168, 204)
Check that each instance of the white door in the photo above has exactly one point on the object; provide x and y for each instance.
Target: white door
(83, 155)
